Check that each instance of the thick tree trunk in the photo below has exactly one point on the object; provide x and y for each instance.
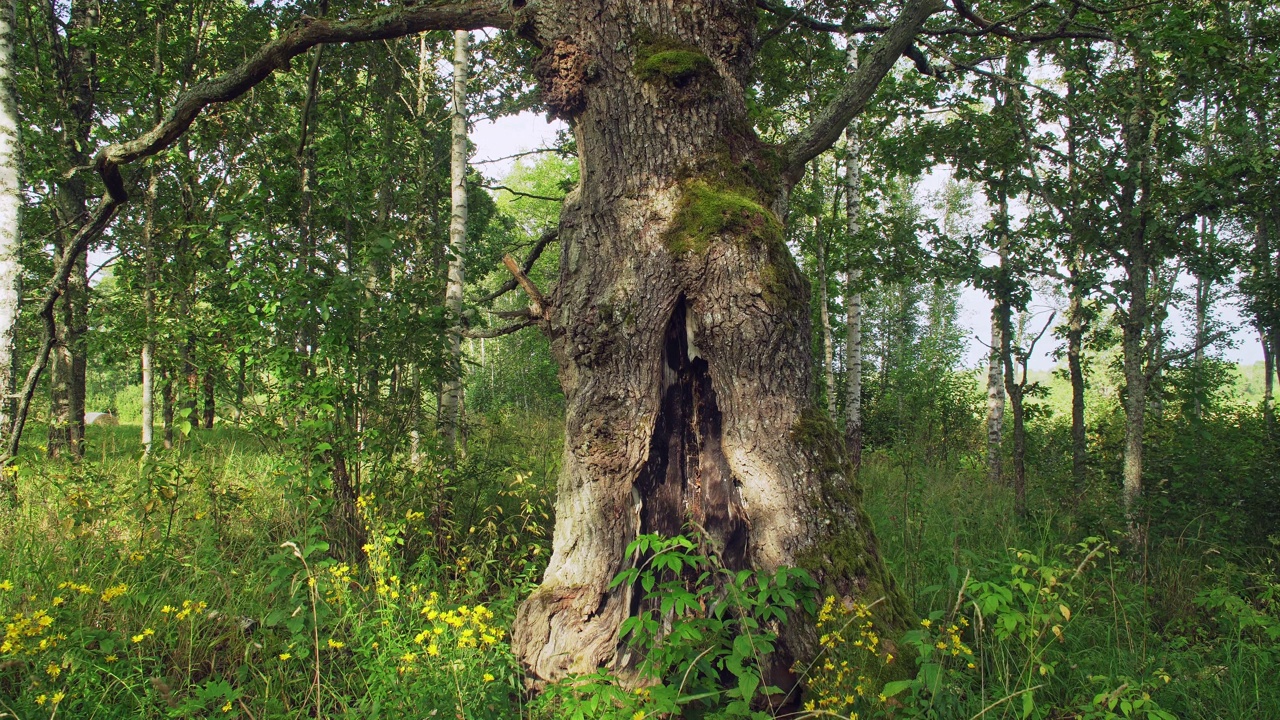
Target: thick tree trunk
(681, 327)
(995, 400)
(451, 393)
(10, 213)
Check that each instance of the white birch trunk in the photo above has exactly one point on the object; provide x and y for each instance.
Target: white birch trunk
(10, 207)
(853, 295)
(451, 398)
(995, 401)
(828, 345)
(149, 308)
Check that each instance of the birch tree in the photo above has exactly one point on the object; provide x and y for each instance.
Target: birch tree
(10, 210)
(451, 393)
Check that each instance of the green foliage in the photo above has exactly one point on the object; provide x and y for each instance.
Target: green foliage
(201, 584)
(704, 635)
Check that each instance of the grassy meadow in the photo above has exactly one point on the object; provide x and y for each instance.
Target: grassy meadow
(200, 584)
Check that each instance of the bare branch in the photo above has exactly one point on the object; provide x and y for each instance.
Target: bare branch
(521, 193)
(793, 15)
(547, 238)
(859, 88)
(526, 153)
(1159, 364)
(498, 332)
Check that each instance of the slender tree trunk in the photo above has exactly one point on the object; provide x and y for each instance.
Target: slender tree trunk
(1203, 294)
(166, 408)
(78, 300)
(451, 394)
(1268, 384)
(1075, 368)
(304, 158)
(1014, 388)
(853, 293)
(76, 68)
(238, 412)
(149, 311)
(684, 348)
(995, 399)
(1134, 326)
(149, 278)
(208, 391)
(10, 213)
(824, 313)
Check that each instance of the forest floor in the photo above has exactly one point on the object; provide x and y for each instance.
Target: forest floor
(200, 584)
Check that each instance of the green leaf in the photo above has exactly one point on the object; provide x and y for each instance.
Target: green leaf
(895, 687)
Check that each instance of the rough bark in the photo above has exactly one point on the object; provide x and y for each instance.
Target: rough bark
(451, 392)
(681, 327)
(10, 212)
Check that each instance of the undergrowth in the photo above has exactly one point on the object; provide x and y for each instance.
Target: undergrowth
(202, 583)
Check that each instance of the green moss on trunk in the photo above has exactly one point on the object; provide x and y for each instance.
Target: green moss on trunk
(707, 211)
(664, 61)
(846, 561)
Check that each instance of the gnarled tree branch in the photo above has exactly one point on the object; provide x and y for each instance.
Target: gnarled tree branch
(858, 89)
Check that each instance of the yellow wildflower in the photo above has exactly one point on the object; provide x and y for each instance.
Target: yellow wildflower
(57, 697)
(285, 656)
(110, 658)
(6, 585)
(114, 592)
(53, 670)
(488, 677)
(336, 644)
(227, 706)
(42, 699)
